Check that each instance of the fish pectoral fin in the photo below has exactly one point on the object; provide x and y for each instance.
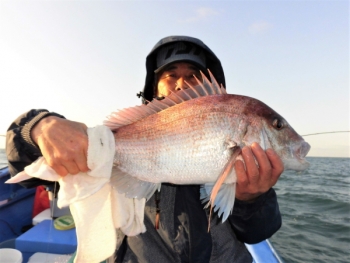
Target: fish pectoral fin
(132, 187)
(222, 196)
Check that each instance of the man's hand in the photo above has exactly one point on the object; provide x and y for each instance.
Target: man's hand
(63, 143)
(257, 178)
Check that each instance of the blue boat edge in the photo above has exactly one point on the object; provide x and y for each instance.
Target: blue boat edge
(264, 252)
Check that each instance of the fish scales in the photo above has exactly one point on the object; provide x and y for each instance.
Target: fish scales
(184, 144)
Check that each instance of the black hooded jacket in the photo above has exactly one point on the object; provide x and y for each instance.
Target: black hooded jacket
(212, 62)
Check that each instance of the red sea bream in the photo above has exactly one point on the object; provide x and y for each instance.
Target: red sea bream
(194, 136)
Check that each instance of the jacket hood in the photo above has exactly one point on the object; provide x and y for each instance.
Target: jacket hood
(212, 63)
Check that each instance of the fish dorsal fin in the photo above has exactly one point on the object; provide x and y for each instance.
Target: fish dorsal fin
(130, 115)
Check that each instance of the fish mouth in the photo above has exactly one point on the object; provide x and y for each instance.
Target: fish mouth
(296, 160)
(302, 151)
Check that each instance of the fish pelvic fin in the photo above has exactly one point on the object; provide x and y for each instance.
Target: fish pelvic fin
(131, 186)
(220, 196)
(224, 201)
(130, 115)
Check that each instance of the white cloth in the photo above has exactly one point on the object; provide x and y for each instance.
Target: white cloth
(97, 208)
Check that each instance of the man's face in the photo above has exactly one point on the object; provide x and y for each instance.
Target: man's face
(173, 78)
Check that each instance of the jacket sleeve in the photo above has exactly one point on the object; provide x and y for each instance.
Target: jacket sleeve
(256, 221)
(20, 148)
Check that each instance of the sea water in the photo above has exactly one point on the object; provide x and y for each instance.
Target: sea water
(315, 208)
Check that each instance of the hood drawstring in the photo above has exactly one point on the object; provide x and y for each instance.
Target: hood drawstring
(157, 200)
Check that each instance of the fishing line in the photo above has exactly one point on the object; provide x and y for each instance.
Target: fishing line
(324, 133)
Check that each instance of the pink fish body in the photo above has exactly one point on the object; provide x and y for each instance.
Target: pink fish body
(191, 136)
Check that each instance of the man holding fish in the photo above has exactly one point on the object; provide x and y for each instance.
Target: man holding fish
(182, 233)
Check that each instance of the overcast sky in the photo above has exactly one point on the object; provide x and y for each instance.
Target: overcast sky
(85, 59)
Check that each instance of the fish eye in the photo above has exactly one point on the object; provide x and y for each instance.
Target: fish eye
(278, 124)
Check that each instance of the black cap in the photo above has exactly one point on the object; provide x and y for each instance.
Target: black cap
(180, 51)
